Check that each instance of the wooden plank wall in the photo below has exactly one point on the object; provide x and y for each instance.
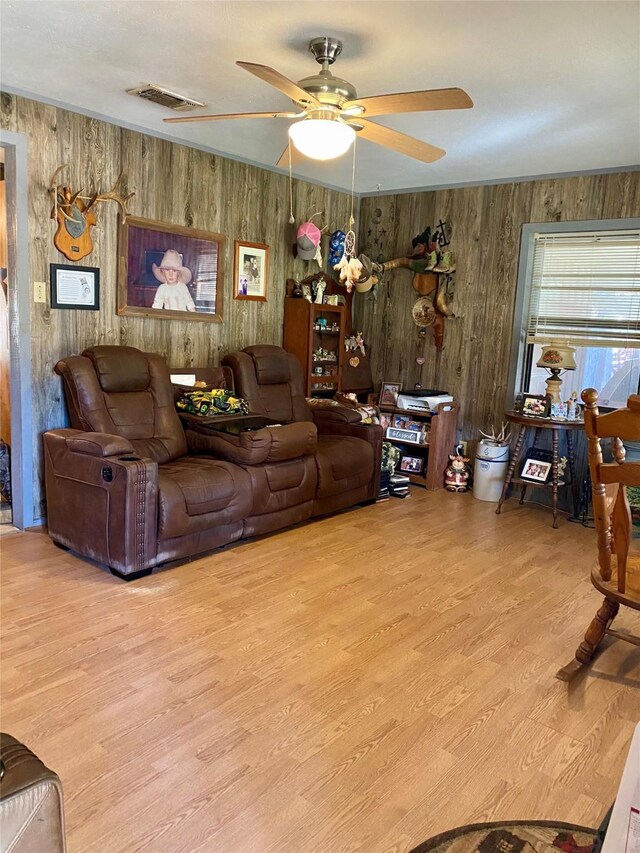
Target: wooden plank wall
(172, 183)
(486, 220)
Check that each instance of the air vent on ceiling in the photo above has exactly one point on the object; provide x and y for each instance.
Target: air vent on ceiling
(164, 97)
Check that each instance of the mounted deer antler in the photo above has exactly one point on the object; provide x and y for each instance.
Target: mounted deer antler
(75, 215)
(114, 194)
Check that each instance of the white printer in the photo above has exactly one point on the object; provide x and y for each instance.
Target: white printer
(422, 400)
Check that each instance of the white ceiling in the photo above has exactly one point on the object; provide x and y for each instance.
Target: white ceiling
(556, 85)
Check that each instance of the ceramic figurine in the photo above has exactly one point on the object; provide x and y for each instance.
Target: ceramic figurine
(456, 475)
(573, 409)
(320, 292)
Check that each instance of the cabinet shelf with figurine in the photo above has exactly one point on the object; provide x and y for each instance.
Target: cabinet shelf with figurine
(315, 333)
(425, 440)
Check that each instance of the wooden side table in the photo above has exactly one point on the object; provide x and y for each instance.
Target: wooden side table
(538, 424)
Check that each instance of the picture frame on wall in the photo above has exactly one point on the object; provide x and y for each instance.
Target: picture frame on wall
(74, 287)
(250, 271)
(169, 271)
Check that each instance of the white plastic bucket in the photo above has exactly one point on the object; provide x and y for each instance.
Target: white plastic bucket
(489, 471)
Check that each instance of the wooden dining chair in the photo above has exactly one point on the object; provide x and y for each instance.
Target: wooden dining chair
(616, 574)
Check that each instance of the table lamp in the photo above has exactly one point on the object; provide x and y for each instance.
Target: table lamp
(556, 357)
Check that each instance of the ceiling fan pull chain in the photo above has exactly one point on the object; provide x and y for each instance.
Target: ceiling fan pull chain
(291, 216)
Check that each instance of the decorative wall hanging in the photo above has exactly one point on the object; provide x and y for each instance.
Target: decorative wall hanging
(433, 266)
(251, 271)
(75, 287)
(75, 215)
(169, 271)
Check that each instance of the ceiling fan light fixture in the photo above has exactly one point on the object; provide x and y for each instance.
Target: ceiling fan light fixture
(322, 139)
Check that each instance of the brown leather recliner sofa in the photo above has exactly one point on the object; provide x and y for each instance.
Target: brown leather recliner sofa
(127, 487)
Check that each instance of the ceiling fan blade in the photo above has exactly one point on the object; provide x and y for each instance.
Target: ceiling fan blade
(296, 157)
(399, 141)
(179, 119)
(411, 102)
(274, 78)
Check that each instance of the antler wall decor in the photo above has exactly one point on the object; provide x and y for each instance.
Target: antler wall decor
(432, 269)
(75, 215)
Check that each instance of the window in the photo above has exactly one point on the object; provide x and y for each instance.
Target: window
(584, 288)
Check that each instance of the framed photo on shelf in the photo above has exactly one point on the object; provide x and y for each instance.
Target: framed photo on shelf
(535, 405)
(250, 271)
(75, 287)
(558, 411)
(385, 420)
(412, 464)
(389, 393)
(537, 466)
(169, 271)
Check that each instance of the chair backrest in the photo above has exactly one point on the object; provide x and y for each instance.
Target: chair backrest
(270, 380)
(609, 484)
(122, 391)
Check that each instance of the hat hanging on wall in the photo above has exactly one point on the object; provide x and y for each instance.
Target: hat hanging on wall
(308, 240)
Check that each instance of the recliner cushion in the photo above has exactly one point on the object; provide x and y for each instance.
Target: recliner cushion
(271, 364)
(120, 368)
(197, 492)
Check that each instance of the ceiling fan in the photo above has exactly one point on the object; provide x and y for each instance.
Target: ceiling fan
(330, 112)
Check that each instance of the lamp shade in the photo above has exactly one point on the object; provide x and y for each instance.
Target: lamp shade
(321, 139)
(557, 355)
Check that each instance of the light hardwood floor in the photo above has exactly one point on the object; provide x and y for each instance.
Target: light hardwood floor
(356, 684)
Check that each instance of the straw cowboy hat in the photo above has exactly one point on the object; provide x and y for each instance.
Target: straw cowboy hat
(367, 278)
(172, 260)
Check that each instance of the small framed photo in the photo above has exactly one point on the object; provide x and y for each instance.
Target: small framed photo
(250, 271)
(535, 405)
(412, 464)
(385, 420)
(537, 465)
(558, 411)
(389, 393)
(75, 287)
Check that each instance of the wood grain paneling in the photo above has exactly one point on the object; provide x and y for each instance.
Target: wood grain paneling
(486, 220)
(172, 183)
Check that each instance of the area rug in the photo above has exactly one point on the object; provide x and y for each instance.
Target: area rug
(517, 836)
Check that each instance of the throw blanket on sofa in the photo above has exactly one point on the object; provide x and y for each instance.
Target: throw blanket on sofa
(211, 402)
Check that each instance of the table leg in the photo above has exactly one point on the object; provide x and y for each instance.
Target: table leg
(555, 477)
(523, 492)
(536, 436)
(512, 466)
(572, 472)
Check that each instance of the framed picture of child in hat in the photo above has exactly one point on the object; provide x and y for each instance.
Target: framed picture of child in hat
(169, 271)
(250, 271)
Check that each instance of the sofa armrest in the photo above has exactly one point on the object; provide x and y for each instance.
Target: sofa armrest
(255, 447)
(334, 415)
(372, 433)
(31, 807)
(100, 444)
(102, 506)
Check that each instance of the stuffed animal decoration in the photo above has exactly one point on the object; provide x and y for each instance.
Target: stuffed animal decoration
(456, 475)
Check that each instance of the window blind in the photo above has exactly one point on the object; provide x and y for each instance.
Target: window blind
(585, 288)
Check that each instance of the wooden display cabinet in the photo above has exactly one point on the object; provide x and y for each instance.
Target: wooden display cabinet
(441, 442)
(308, 328)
